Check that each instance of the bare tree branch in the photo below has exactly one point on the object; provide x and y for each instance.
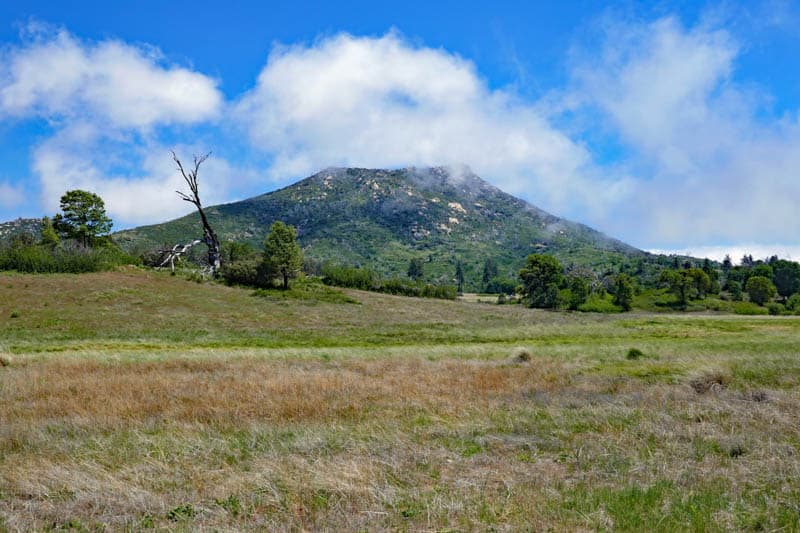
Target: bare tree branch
(209, 236)
(175, 253)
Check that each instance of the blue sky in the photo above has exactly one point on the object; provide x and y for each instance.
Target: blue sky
(670, 125)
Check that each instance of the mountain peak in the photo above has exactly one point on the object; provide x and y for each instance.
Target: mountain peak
(380, 218)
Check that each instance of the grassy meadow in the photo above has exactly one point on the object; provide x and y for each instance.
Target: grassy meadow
(132, 400)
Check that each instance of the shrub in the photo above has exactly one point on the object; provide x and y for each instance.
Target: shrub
(735, 288)
(498, 285)
(354, 278)
(248, 272)
(598, 303)
(357, 278)
(748, 308)
(36, 259)
(775, 308)
(793, 303)
(520, 355)
(634, 353)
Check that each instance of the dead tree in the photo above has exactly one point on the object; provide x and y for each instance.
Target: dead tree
(209, 237)
(175, 253)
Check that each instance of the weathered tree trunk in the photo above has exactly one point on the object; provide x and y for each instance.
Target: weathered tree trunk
(209, 236)
(175, 253)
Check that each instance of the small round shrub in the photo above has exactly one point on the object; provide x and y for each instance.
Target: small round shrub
(520, 355)
(634, 353)
(775, 308)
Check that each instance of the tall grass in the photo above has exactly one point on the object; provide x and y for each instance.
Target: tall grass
(36, 259)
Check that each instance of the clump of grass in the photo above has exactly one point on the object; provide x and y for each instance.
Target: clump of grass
(5, 360)
(182, 512)
(15, 314)
(520, 355)
(756, 396)
(634, 353)
(712, 381)
(736, 449)
(232, 504)
(307, 292)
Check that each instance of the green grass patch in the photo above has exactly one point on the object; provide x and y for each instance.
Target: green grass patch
(306, 292)
(599, 303)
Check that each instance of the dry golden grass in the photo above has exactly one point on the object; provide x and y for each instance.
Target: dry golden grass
(380, 444)
(221, 411)
(118, 396)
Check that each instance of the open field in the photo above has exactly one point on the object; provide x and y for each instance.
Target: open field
(135, 400)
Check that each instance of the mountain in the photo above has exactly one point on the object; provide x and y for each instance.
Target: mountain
(382, 218)
(20, 226)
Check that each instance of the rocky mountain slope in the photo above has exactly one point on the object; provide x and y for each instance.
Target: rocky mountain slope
(30, 226)
(383, 218)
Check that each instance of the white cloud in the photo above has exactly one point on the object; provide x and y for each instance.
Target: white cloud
(136, 180)
(381, 102)
(11, 195)
(736, 251)
(712, 164)
(107, 103)
(713, 168)
(56, 76)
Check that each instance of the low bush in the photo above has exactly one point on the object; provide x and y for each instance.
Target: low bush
(357, 278)
(599, 303)
(634, 353)
(748, 308)
(249, 272)
(35, 259)
(793, 303)
(354, 278)
(775, 308)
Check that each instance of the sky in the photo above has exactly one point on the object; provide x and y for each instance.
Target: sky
(673, 126)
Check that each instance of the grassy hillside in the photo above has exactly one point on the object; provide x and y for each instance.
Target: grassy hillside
(383, 218)
(134, 400)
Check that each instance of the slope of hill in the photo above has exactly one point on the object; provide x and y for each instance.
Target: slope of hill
(383, 218)
(20, 226)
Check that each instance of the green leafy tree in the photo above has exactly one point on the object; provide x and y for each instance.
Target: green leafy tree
(49, 235)
(761, 270)
(500, 285)
(727, 264)
(578, 292)
(459, 276)
(760, 289)
(282, 255)
(786, 277)
(489, 271)
(687, 283)
(416, 271)
(735, 288)
(233, 251)
(541, 277)
(624, 289)
(793, 303)
(83, 217)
